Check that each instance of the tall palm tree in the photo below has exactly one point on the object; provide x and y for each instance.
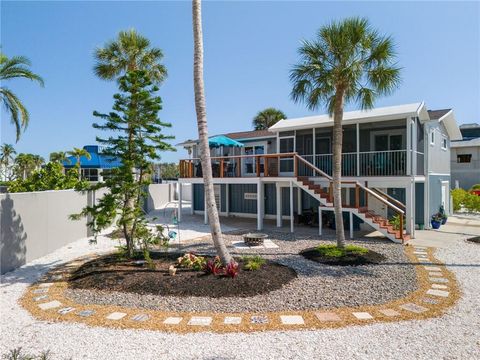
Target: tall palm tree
(200, 108)
(59, 157)
(266, 118)
(16, 67)
(129, 51)
(6, 159)
(25, 164)
(348, 62)
(78, 153)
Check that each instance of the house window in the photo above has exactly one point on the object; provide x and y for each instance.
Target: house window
(90, 174)
(432, 137)
(464, 158)
(444, 143)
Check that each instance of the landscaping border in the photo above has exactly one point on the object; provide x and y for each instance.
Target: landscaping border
(437, 291)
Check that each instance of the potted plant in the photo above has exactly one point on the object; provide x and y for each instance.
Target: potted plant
(442, 213)
(436, 220)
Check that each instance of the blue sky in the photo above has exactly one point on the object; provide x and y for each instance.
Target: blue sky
(249, 49)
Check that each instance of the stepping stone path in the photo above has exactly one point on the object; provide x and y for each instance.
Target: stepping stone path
(435, 274)
(438, 286)
(327, 316)
(362, 315)
(232, 320)
(45, 285)
(172, 320)
(39, 298)
(50, 305)
(259, 320)
(292, 320)
(432, 268)
(440, 293)
(200, 321)
(430, 301)
(414, 308)
(66, 310)
(438, 280)
(390, 312)
(116, 316)
(141, 317)
(86, 313)
(40, 291)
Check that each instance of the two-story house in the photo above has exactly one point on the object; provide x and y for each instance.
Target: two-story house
(465, 162)
(396, 161)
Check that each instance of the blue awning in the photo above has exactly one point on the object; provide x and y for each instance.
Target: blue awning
(222, 140)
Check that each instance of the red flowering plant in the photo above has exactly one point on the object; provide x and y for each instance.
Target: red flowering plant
(231, 270)
(213, 266)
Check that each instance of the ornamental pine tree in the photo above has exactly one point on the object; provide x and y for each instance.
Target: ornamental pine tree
(135, 137)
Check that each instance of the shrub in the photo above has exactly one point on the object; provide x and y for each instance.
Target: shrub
(231, 270)
(191, 261)
(462, 198)
(475, 187)
(458, 196)
(336, 252)
(213, 266)
(395, 222)
(253, 263)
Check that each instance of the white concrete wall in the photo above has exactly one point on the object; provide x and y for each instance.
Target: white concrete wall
(159, 195)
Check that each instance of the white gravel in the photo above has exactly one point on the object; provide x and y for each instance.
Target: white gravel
(453, 336)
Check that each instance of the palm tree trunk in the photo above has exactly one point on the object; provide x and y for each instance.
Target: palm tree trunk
(200, 109)
(337, 166)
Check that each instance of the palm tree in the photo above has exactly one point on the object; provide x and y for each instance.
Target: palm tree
(200, 108)
(129, 51)
(6, 159)
(25, 164)
(16, 67)
(59, 157)
(348, 62)
(266, 118)
(78, 153)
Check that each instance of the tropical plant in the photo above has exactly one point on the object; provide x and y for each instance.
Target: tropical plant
(348, 62)
(11, 68)
(135, 137)
(200, 108)
(213, 266)
(130, 51)
(59, 157)
(25, 164)
(231, 270)
(78, 153)
(169, 171)
(266, 118)
(7, 153)
(191, 261)
(395, 222)
(253, 263)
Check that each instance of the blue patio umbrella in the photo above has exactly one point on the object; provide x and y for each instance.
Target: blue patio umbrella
(222, 140)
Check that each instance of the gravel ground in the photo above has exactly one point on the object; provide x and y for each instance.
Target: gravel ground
(453, 336)
(317, 286)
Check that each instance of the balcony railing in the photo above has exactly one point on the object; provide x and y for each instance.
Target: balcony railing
(369, 163)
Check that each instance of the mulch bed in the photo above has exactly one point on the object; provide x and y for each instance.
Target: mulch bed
(108, 273)
(369, 258)
(475, 240)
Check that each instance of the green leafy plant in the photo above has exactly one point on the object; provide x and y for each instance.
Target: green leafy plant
(437, 217)
(191, 261)
(466, 200)
(334, 251)
(475, 187)
(253, 263)
(18, 354)
(395, 222)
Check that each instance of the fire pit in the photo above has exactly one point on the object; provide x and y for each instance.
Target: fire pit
(254, 239)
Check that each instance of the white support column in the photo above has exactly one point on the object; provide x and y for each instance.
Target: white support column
(192, 210)
(205, 214)
(351, 225)
(291, 206)
(299, 201)
(320, 224)
(414, 146)
(260, 205)
(227, 199)
(180, 199)
(409, 145)
(314, 148)
(409, 207)
(358, 149)
(279, 204)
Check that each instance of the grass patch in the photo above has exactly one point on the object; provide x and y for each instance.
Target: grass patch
(333, 251)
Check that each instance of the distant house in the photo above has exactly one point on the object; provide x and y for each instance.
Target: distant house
(95, 168)
(465, 159)
(396, 160)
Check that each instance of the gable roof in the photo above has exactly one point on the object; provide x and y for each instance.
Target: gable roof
(251, 134)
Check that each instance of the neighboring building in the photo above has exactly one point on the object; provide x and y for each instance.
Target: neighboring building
(465, 162)
(95, 168)
(394, 159)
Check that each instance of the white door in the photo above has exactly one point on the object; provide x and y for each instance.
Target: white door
(446, 196)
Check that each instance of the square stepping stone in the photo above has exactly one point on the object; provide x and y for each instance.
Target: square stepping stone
(39, 298)
(420, 248)
(45, 285)
(232, 320)
(141, 317)
(269, 244)
(200, 320)
(259, 319)
(362, 315)
(57, 277)
(172, 320)
(423, 260)
(327, 316)
(413, 308)
(86, 313)
(389, 312)
(292, 320)
(438, 280)
(40, 291)
(66, 310)
(50, 305)
(116, 316)
(438, 286)
(435, 274)
(432, 268)
(435, 292)
(430, 301)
